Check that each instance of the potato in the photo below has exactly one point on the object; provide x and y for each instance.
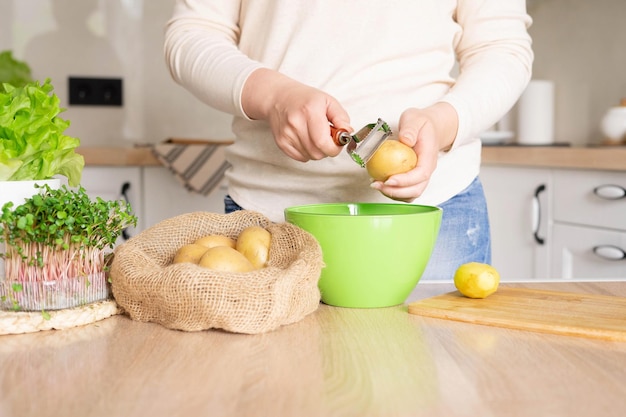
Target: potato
(393, 157)
(189, 253)
(225, 258)
(210, 241)
(254, 243)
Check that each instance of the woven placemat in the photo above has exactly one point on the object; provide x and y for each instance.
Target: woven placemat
(18, 322)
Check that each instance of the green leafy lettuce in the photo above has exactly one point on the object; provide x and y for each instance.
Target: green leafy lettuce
(32, 143)
(17, 73)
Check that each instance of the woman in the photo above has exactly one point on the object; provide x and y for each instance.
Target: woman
(288, 69)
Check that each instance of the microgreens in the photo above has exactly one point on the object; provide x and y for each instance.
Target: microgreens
(60, 232)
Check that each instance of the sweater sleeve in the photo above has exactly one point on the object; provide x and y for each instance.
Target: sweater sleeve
(495, 63)
(202, 55)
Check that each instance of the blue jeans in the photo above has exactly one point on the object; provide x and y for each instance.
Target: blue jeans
(230, 205)
(464, 235)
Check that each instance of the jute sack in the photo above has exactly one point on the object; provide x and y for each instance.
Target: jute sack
(189, 297)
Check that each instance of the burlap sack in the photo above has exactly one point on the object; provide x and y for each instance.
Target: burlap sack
(189, 297)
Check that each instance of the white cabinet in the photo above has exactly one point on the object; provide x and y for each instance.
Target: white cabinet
(546, 223)
(592, 198)
(113, 183)
(589, 236)
(556, 223)
(588, 252)
(153, 192)
(166, 197)
(519, 204)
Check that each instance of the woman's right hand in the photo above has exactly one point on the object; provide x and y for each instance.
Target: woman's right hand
(299, 115)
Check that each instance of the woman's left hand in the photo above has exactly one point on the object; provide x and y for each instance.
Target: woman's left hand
(428, 131)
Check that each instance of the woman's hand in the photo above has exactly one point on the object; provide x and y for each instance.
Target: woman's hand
(298, 115)
(428, 131)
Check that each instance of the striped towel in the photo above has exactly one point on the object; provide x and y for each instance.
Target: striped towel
(198, 165)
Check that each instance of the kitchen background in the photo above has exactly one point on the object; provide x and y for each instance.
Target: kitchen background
(579, 45)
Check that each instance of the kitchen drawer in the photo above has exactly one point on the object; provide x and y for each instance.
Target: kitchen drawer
(593, 198)
(573, 254)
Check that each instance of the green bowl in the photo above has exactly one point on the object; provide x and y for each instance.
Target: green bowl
(374, 254)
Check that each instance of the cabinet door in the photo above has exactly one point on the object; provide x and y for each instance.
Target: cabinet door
(519, 204)
(113, 183)
(166, 197)
(586, 252)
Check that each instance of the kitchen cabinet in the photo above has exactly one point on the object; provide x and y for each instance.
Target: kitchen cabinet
(519, 204)
(589, 217)
(545, 217)
(153, 192)
(113, 183)
(556, 223)
(587, 252)
(166, 197)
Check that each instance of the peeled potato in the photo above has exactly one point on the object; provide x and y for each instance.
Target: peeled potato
(393, 157)
(254, 243)
(476, 280)
(225, 258)
(189, 253)
(211, 241)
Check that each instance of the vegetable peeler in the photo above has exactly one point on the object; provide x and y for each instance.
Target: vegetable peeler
(364, 143)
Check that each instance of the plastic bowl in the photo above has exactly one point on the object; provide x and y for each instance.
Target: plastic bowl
(374, 253)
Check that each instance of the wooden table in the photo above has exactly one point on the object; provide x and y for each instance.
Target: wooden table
(335, 362)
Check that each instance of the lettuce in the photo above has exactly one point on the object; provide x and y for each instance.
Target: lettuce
(32, 143)
(12, 71)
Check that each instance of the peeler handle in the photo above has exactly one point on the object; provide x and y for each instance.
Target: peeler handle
(341, 137)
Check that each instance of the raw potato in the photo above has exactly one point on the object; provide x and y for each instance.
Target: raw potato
(393, 157)
(212, 241)
(189, 253)
(225, 258)
(254, 243)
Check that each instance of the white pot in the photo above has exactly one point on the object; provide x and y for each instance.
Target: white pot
(613, 124)
(17, 192)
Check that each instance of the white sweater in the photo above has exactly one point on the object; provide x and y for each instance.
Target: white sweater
(377, 58)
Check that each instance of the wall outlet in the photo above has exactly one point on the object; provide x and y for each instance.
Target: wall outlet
(95, 91)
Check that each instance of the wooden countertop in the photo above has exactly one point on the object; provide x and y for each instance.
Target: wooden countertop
(611, 158)
(335, 362)
(118, 156)
(603, 158)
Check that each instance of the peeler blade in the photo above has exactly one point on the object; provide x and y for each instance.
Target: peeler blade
(367, 141)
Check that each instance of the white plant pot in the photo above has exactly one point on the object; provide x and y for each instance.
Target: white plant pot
(17, 192)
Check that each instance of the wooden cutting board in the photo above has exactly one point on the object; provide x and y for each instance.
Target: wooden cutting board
(565, 313)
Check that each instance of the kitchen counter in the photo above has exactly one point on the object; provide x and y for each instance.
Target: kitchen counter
(612, 158)
(335, 362)
(603, 158)
(118, 156)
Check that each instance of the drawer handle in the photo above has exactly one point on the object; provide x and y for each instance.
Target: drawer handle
(537, 214)
(609, 252)
(610, 191)
(124, 193)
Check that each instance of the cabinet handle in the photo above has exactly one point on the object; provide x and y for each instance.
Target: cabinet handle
(610, 191)
(124, 193)
(537, 214)
(609, 252)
